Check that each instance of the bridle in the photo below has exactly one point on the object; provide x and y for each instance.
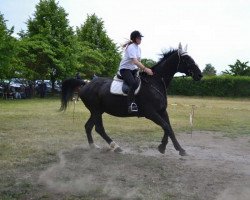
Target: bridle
(190, 73)
(180, 54)
(177, 67)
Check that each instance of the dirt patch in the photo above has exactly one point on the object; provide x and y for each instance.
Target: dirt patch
(216, 168)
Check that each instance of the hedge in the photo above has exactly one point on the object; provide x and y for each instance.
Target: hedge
(219, 86)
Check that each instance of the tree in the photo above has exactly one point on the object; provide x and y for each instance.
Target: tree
(48, 48)
(37, 55)
(105, 56)
(238, 69)
(8, 49)
(148, 62)
(209, 70)
(91, 60)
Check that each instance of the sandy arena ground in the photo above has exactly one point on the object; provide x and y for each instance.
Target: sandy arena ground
(216, 168)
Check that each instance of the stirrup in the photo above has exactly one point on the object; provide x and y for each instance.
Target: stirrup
(133, 108)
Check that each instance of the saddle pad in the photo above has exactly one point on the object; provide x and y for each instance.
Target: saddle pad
(116, 87)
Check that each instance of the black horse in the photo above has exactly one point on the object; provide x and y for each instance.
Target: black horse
(151, 99)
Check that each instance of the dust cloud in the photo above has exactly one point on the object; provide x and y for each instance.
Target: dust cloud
(216, 168)
(59, 179)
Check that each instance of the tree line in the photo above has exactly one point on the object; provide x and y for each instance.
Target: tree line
(51, 49)
(237, 69)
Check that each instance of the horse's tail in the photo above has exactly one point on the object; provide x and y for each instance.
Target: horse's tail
(69, 86)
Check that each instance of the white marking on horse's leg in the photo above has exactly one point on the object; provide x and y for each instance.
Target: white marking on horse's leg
(115, 147)
(94, 146)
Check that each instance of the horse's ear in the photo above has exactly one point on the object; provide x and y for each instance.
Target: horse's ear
(185, 49)
(180, 47)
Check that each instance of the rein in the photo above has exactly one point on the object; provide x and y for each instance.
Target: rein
(167, 77)
(156, 89)
(162, 79)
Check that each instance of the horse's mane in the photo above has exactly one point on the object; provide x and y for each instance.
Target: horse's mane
(165, 55)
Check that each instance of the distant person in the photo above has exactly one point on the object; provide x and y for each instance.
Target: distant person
(94, 77)
(29, 90)
(42, 89)
(129, 65)
(9, 92)
(22, 92)
(78, 76)
(18, 93)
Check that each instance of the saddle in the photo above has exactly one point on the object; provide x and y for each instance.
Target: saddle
(119, 87)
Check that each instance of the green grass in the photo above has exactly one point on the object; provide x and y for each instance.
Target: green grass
(32, 127)
(230, 116)
(32, 132)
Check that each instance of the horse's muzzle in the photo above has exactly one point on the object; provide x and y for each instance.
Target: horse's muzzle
(197, 77)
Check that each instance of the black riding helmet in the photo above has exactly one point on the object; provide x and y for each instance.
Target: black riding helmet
(134, 35)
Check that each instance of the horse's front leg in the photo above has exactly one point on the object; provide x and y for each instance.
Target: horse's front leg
(163, 121)
(176, 144)
(164, 141)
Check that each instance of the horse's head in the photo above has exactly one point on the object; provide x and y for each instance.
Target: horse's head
(177, 61)
(187, 65)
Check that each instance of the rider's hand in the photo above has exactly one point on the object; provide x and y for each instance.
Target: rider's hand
(148, 71)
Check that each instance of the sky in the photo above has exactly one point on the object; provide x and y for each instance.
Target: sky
(216, 31)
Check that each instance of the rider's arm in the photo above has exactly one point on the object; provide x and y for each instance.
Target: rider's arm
(141, 66)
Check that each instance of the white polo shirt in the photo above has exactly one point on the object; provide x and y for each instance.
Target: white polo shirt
(132, 51)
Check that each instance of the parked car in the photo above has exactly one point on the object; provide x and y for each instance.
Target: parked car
(48, 83)
(15, 88)
(18, 82)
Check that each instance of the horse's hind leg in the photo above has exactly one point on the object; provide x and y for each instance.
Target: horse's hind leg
(100, 129)
(88, 127)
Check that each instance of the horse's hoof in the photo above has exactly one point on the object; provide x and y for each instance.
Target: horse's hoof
(118, 150)
(183, 153)
(161, 148)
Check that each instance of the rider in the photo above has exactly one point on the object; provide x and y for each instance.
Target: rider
(129, 66)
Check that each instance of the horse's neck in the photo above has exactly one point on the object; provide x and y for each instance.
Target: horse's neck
(168, 73)
(167, 81)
